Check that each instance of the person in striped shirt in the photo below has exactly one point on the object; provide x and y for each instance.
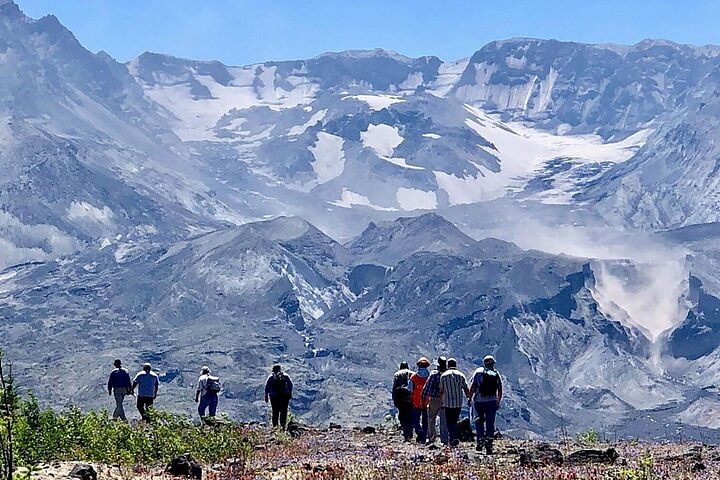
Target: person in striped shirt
(431, 394)
(454, 392)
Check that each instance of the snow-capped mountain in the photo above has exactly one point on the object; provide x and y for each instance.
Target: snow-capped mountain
(189, 212)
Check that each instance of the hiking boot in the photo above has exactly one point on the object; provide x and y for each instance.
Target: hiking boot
(488, 447)
(479, 447)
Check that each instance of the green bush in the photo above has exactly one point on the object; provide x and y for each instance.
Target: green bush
(44, 435)
(588, 437)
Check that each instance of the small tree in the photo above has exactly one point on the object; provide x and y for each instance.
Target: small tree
(8, 404)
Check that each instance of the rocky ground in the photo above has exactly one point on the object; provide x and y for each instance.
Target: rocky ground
(356, 454)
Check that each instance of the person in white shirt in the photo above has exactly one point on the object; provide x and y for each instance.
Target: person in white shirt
(206, 393)
(454, 392)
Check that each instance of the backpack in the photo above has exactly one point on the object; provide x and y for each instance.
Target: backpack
(488, 383)
(212, 384)
(401, 393)
(279, 384)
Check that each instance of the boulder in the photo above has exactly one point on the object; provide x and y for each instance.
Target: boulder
(540, 455)
(83, 471)
(369, 430)
(586, 456)
(184, 466)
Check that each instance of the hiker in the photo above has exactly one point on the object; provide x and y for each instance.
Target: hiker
(431, 394)
(120, 385)
(486, 392)
(206, 393)
(147, 384)
(402, 400)
(278, 391)
(454, 392)
(419, 403)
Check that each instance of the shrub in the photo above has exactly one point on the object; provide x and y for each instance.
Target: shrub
(44, 435)
(588, 437)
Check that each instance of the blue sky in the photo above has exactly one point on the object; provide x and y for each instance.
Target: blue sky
(241, 32)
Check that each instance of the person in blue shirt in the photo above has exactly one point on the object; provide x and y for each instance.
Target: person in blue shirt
(147, 384)
(119, 385)
(278, 391)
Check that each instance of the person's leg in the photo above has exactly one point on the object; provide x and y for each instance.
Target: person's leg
(416, 422)
(490, 413)
(452, 416)
(422, 436)
(202, 406)
(213, 403)
(479, 422)
(433, 411)
(275, 404)
(141, 407)
(119, 408)
(444, 435)
(406, 421)
(284, 412)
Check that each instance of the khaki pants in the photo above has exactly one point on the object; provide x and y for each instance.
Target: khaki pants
(435, 410)
(119, 394)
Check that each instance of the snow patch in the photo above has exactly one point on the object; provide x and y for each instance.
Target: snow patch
(434, 136)
(315, 118)
(376, 102)
(84, 211)
(349, 198)
(384, 139)
(329, 157)
(414, 199)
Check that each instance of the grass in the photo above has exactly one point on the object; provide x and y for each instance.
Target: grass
(42, 436)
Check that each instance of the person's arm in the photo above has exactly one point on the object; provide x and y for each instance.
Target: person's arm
(109, 385)
(267, 390)
(197, 391)
(134, 384)
(411, 384)
(157, 385)
(472, 387)
(465, 388)
(499, 391)
(289, 386)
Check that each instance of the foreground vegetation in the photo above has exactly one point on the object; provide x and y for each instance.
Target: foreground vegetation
(31, 435)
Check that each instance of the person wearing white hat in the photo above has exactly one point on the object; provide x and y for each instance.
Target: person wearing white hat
(206, 393)
(486, 392)
(147, 383)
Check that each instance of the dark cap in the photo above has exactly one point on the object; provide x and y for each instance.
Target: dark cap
(404, 365)
(442, 362)
(276, 368)
(452, 363)
(117, 363)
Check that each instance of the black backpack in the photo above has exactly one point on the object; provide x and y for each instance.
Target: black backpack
(213, 384)
(488, 383)
(279, 383)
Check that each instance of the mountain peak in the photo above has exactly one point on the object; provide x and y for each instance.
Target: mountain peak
(390, 242)
(370, 53)
(8, 8)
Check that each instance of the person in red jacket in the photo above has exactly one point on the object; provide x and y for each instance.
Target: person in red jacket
(420, 404)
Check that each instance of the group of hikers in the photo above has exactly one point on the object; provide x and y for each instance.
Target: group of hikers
(423, 396)
(278, 392)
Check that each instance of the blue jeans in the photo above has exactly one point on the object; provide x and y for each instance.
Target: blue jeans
(485, 419)
(209, 400)
(420, 422)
